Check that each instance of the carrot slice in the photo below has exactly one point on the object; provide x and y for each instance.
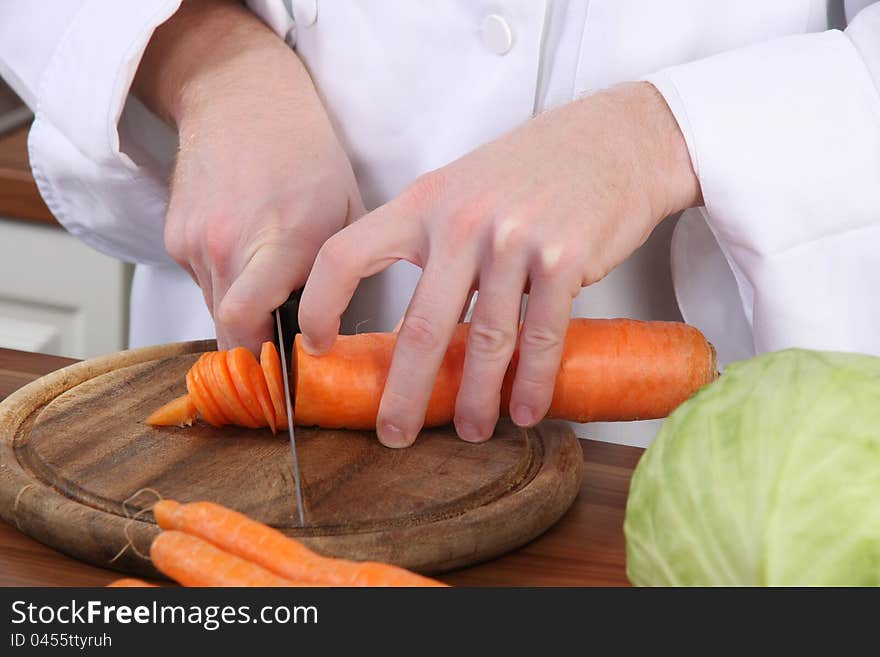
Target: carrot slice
(271, 364)
(247, 375)
(205, 404)
(240, 383)
(226, 390)
(213, 380)
(179, 412)
(210, 386)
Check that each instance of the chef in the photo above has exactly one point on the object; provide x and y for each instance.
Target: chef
(610, 157)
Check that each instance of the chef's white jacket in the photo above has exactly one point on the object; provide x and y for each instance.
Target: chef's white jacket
(780, 113)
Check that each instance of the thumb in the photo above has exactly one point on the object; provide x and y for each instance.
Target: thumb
(244, 315)
(356, 208)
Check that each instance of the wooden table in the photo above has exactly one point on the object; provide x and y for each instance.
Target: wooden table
(585, 548)
(19, 197)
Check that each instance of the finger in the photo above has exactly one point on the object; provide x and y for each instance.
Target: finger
(540, 351)
(362, 249)
(468, 307)
(419, 349)
(356, 208)
(203, 280)
(463, 317)
(491, 342)
(244, 316)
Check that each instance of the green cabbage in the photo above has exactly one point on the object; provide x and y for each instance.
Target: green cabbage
(769, 476)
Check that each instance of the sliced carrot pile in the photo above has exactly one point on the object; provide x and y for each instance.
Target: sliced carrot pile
(250, 384)
(232, 403)
(203, 400)
(230, 387)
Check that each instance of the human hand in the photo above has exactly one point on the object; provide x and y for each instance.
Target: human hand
(549, 208)
(261, 180)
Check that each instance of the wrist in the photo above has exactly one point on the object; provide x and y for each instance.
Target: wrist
(206, 52)
(676, 185)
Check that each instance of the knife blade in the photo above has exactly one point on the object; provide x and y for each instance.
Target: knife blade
(286, 327)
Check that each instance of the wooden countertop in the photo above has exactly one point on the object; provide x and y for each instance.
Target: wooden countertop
(19, 197)
(585, 548)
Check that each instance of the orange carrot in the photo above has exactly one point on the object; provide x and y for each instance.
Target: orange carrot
(179, 412)
(127, 582)
(203, 400)
(612, 369)
(191, 561)
(226, 388)
(250, 383)
(255, 542)
(214, 388)
(271, 364)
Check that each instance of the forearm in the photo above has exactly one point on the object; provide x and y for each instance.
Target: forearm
(642, 128)
(210, 51)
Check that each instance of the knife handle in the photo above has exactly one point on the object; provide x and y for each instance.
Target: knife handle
(289, 313)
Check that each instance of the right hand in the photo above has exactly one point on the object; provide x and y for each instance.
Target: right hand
(261, 181)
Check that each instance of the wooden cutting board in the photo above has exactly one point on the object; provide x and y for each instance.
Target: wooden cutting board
(79, 470)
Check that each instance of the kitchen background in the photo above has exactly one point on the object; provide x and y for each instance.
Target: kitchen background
(57, 296)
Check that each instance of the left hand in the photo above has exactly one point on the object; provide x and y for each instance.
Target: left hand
(548, 208)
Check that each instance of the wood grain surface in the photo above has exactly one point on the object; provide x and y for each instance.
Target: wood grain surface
(79, 469)
(584, 548)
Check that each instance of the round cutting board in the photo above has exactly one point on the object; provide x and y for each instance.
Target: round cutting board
(79, 470)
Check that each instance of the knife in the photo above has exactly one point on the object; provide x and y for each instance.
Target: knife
(286, 328)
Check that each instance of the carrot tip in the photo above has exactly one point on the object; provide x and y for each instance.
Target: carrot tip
(179, 412)
(165, 512)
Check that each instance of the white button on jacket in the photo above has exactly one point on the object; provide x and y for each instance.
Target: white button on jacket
(781, 117)
(497, 34)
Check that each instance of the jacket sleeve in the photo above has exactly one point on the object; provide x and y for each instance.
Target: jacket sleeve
(785, 139)
(100, 159)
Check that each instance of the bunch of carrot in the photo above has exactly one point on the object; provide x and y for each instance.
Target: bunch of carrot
(205, 544)
(611, 370)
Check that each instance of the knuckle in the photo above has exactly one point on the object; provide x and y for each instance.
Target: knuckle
(491, 341)
(396, 404)
(334, 254)
(510, 236)
(553, 260)
(534, 382)
(539, 339)
(427, 188)
(464, 226)
(219, 241)
(420, 332)
(233, 313)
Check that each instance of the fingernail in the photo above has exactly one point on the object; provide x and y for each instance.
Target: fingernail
(468, 432)
(391, 436)
(522, 415)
